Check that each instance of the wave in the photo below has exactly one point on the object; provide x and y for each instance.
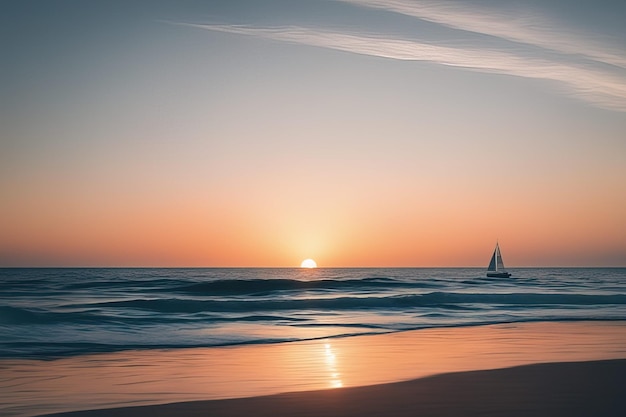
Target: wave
(50, 350)
(434, 299)
(16, 315)
(169, 310)
(256, 286)
(46, 313)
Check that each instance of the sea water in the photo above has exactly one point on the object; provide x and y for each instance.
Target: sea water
(51, 313)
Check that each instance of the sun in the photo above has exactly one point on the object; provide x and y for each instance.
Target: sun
(308, 263)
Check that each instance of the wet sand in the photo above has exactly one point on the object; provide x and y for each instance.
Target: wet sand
(553, 389)
(153, 377)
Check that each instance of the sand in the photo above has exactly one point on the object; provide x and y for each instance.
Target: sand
(595, 388)
(344, 376)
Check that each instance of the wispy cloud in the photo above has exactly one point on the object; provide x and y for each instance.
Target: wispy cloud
(590, 70)
(526, 27)
(602, 88)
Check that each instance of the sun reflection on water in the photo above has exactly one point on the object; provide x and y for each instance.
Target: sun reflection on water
(331, 366)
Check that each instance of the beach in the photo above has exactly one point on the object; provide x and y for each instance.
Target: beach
(515, 367)
(554, 389)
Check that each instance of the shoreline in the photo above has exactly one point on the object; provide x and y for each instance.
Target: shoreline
(148, 378)
(547, 389)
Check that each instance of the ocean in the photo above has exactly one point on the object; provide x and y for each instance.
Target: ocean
(50, 313)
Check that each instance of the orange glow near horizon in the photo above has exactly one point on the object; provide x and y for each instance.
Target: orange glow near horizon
(416, 226)
(199, 235)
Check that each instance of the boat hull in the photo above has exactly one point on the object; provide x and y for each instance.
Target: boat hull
(498, 274)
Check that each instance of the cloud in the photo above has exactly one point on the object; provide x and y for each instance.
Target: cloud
(516, 26)
(599, 87)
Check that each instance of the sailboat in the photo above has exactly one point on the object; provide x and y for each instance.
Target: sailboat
(496, 266)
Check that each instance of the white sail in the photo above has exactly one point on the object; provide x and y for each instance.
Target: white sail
(496, 266)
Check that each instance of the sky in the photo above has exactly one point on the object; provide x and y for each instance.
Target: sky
(359, 133)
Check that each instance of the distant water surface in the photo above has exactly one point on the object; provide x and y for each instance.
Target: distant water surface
(48, 313)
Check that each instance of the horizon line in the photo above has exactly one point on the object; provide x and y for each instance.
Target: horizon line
(299, 267)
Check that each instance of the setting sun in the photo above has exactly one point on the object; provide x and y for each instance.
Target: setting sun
(308, 263)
